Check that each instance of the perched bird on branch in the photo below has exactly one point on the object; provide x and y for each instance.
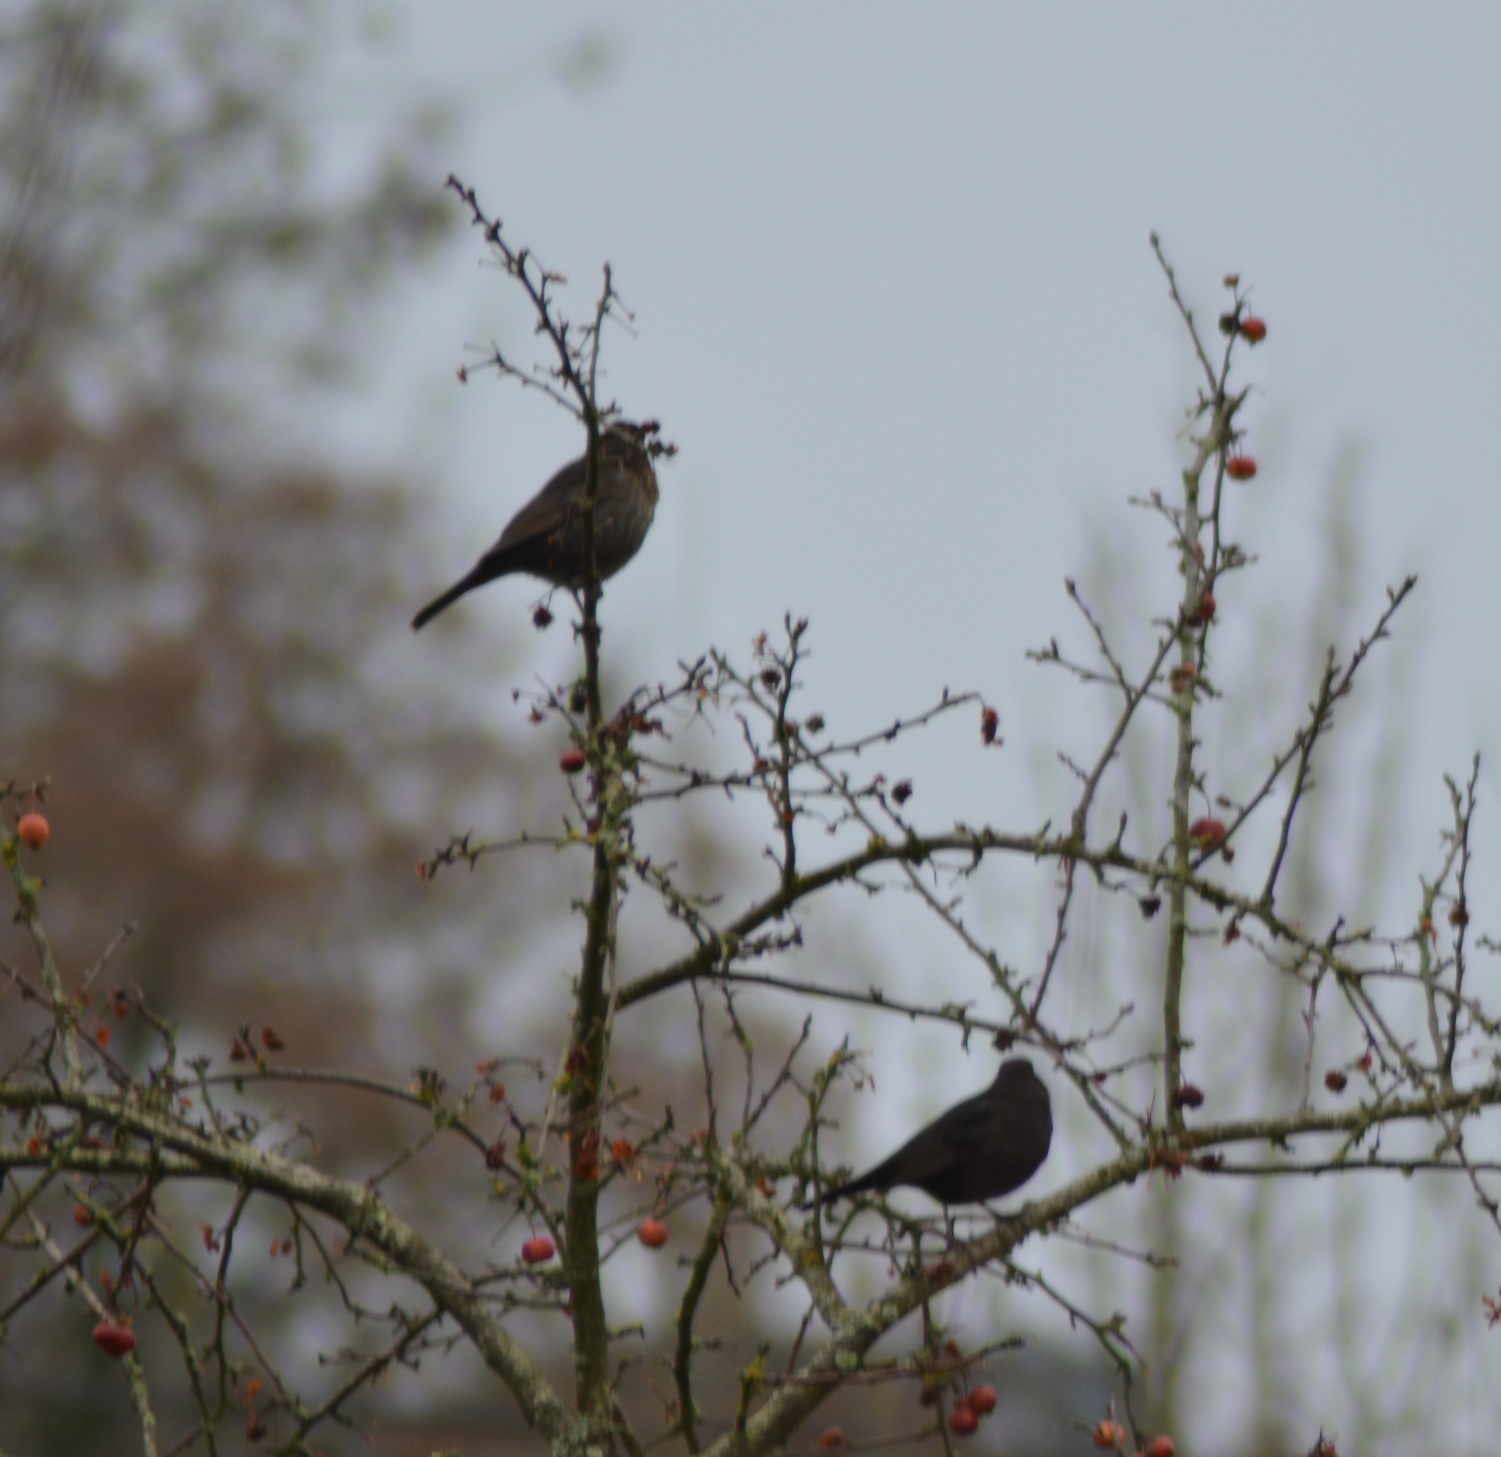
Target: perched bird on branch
(545, 538)
(979, 1149)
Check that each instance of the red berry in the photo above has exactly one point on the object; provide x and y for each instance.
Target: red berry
(1240, 467)
(1161, 1447)
(1253, 329)
(1207, 831)
(1335, 1080)
(1189, 1096)
(962, 1420)
(114, 1339)
(33, 830)
(990, 725)
(572, 761)
(982, 1399)
(1204, 612)
(652, 1233)
(537, 1249)
(832, 1439)
(1109, 1434)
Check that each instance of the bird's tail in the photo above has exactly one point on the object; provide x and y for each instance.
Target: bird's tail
(839, 1191)
(447, 599)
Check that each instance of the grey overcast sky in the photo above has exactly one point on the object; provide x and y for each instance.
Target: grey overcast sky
(895, 300)
(896, 304)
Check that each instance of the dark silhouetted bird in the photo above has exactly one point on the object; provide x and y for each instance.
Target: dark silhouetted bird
(979, 1149)
(545, 538)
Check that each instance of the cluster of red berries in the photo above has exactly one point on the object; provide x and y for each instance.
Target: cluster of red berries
(539, 1248)
(1110, 1435)
(978, 1402)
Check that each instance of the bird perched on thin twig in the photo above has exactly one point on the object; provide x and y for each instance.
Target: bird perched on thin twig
(545, 538)
(979, 1149)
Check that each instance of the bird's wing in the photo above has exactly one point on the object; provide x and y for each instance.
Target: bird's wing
(933, 1150)
(545, 512)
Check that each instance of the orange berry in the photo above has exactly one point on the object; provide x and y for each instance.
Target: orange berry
(537, 1249)
(1109, 1434)
(652, 1233)
(33, 830)
(1161, 1447)
(1253, 329)
(962, 1420)
(1240, 467)
(114, 1339)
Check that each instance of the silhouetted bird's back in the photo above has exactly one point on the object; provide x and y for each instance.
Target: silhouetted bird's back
(979, 1149)
(545, 538)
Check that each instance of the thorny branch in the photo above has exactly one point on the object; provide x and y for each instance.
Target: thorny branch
(118, 1141)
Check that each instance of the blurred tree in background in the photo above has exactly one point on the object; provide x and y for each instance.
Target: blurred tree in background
(196, 610)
